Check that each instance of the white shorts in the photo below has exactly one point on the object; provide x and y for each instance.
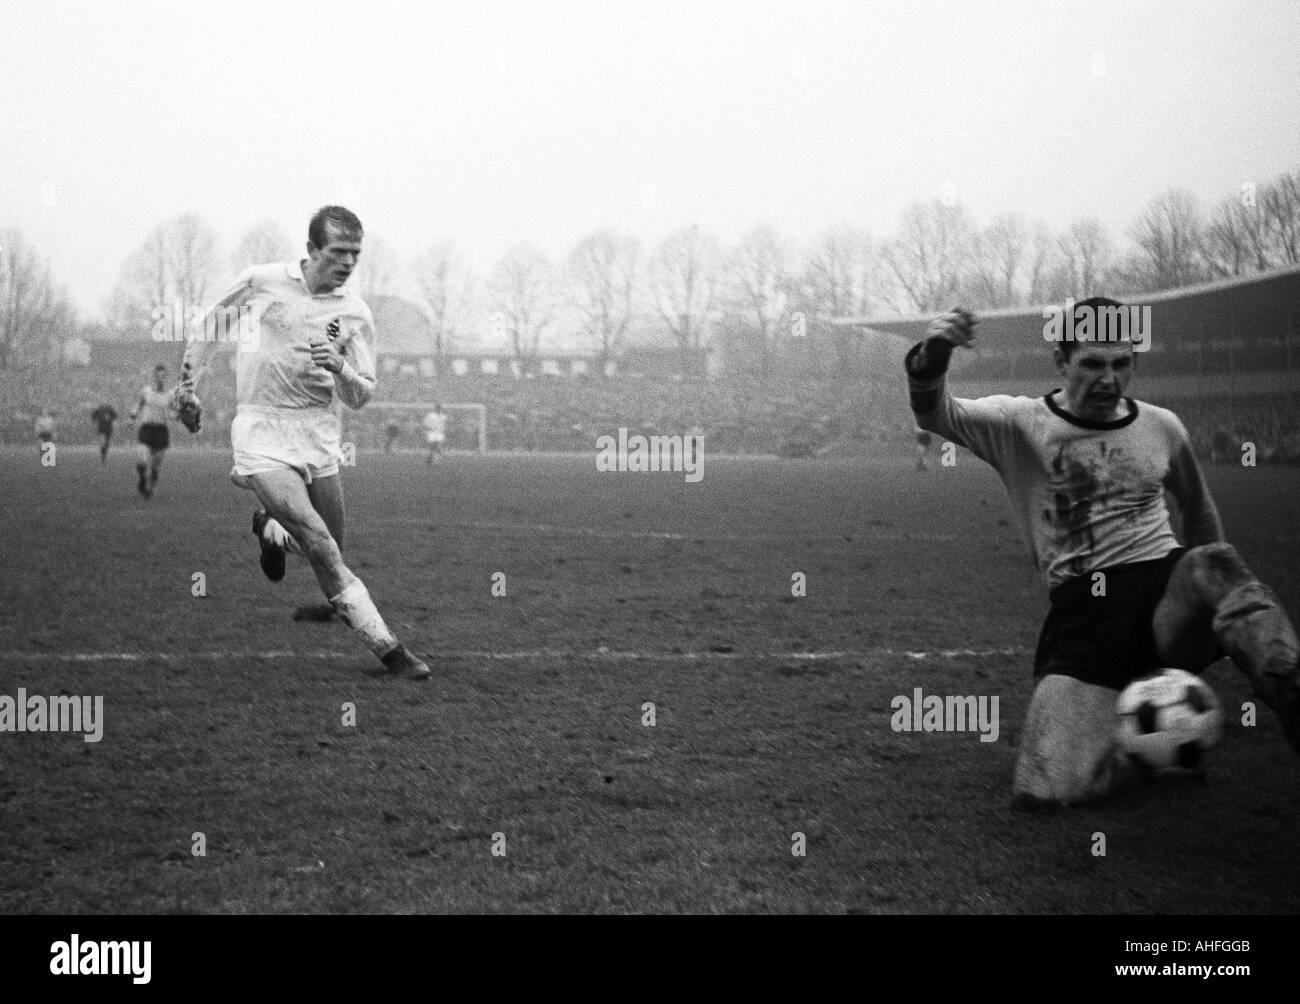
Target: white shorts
(305, 440)
(434, 437)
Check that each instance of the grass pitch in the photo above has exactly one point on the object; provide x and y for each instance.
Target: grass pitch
(223, 717)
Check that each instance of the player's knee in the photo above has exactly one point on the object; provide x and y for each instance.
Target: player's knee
(1216, 568)
(1060, 780)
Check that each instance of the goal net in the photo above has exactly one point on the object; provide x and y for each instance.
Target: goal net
(391, 426)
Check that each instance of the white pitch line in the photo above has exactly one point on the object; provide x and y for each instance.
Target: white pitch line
(522, 655)
(865, 534)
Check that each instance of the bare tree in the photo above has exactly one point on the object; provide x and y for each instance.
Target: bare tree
(177, 263)
(1168, 235)
(603, 269)
(192, 257)
(262, 243)
(1086, 256)
(1237, 239)
(930, 253)
(684, 278)
(842, 276)
(525, 303)
(1000, 254)
(1281, 205)
(758, 284)
(439, 276)
(35, 315)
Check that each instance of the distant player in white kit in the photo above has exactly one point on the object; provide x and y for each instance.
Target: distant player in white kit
(151, 413)
(1086, 469)
(313, 348)
(435, 433)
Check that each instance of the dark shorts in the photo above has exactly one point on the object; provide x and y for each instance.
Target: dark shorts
(106, 430)
(46, 437)
(154, 436)
(1106, 640)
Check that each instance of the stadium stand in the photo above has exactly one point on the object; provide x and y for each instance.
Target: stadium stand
(1223, 356)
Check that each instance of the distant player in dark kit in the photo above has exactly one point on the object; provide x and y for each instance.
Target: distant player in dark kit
(103, 418)
(151, 412)
(1086, 468)
(391, 431)
(45, 427)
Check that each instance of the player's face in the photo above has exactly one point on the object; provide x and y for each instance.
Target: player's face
(335, 262)
(1096, 379)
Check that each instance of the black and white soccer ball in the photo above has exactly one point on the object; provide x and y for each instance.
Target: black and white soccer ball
(1168, 720)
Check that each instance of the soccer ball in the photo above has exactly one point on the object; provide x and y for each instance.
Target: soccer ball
(1168, 720)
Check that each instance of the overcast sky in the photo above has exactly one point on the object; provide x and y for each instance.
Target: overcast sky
(498, 123)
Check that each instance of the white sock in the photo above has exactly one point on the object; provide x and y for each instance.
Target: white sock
(358, 612)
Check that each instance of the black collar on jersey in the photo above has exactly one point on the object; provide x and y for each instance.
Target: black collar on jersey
(1090, 423)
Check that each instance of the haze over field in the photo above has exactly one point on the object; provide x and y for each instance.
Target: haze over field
(502, 123)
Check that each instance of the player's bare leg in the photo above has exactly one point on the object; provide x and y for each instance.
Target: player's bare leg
(1068, 753)
(285, 498)
(1213, 604)
(155, 465)
(143, 461)
(326, 496)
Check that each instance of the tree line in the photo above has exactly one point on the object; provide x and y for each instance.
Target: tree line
(691, 292)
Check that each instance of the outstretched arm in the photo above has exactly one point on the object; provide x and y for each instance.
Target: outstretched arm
(985, 425)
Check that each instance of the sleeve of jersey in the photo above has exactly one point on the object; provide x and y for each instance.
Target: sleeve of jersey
(198, 349)
(985, 426)
(1186, 482)
(356, 381)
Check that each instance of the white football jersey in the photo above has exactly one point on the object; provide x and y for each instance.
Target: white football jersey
(154, 406)
(274, 367)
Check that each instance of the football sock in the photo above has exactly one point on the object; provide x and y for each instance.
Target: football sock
(357, 610)
(1258, 637)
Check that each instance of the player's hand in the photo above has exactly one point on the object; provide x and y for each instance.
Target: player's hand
(188, 407)
(325, 355)
(957, 326)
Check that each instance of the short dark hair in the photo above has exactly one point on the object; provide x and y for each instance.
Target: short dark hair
(160, 366)
(1068, 347)
(344, 219)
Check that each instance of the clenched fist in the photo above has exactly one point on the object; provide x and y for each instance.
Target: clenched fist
(957, 326)
(188, 407)
(323, 353)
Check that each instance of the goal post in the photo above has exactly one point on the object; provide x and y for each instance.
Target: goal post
(466, 424)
